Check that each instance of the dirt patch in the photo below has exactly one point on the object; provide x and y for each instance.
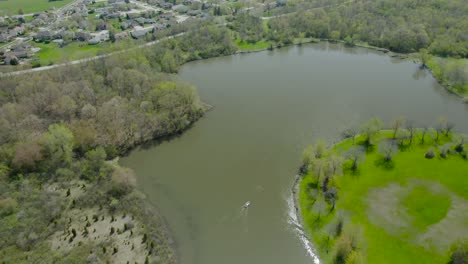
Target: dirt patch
(385, 211)
(114, 238)
(453, 227)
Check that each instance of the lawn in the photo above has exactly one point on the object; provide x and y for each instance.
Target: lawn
(51, 53)
(11, 7)
(259, 45)
(409, 210)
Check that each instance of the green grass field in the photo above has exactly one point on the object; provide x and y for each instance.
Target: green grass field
(51, 53)
(11, 7)
(260, 45)
(410, 210)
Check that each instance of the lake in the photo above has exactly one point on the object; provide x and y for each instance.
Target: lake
(268, 107)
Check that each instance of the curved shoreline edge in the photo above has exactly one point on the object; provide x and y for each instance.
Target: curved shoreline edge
(295, 219)
(385, 51)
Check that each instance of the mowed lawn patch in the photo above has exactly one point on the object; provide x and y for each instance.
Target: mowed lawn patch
(11, 7)
(51, 53)
(246, 46)
(426, 208)
(410, 211)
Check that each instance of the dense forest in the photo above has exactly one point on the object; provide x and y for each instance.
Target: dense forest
(58, 132)
(403, 26)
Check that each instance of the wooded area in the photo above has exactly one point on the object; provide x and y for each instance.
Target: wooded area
(63, 126)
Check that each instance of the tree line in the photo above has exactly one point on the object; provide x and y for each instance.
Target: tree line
(402, 26)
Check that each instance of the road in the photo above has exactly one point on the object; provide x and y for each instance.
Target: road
(75, 62)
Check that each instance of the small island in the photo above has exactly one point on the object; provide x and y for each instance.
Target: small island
(387, 196)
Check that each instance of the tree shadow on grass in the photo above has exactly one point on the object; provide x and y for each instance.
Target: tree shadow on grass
(312, 185)
(404, 147)
(385, 164)
(369, 147)
(348, 170)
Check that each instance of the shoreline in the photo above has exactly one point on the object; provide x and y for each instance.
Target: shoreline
(389, 53)
(297, 221)
(146, 203)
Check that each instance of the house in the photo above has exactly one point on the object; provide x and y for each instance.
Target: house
(133, 15)
(138, 33)
(21, 54)
(82, 36)
(194, 12)
(3, 38)
(180, 9)
(125, 24)
(94, 41)
(141, 21)
(121, 35)
(113, 15)
(44, 35)
(59, 42)
(150, 21)
(19, 30)
(67, 35)
(160, 26)
(11, 59)
(166, 5)
(102, 35)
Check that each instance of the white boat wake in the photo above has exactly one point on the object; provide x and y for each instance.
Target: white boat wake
(293, 221)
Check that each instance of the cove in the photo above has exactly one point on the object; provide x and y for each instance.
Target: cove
(267, 107)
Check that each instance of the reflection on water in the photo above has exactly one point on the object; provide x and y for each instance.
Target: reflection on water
(419, 73)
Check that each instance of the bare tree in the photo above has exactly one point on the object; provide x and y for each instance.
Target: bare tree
(355, 155)
(331, 195)
(449, 126)
(306, 160)
(439, 129)
(350, 133)
(411, 130)
(319, 149)
(320, 207)
(459, 141)
(402, 137)
(444, 150)
(336, 164)
(318, 166)
(396, 125)
(370, 129)
(388, 150)
(424, 131)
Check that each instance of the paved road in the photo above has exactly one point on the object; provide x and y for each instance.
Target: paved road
(86, 59)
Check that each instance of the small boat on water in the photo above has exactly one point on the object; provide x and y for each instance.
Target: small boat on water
(246, 205)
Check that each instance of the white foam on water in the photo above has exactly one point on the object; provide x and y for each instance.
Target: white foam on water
(293, 221)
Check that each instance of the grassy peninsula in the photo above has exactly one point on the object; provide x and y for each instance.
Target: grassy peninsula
(388, 196)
